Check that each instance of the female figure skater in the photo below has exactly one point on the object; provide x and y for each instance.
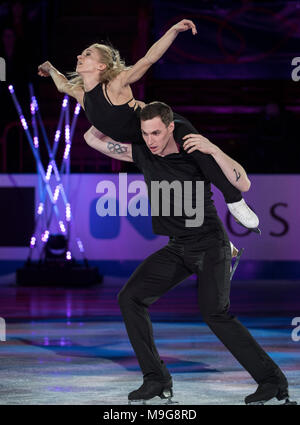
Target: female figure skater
(101, 85)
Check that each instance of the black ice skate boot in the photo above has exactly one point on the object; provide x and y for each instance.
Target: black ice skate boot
(276, 386)
(151, 389)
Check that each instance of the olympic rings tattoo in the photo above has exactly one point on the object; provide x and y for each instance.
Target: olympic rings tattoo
(116, 147)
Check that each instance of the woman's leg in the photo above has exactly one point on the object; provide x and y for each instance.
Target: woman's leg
(213, 173)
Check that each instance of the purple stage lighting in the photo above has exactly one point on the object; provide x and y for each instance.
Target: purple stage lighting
(80, 245)
(68, 212)
(67, 151)
(57, 136)
(40, 208)
(62, 226)
(49, 171)
(45, 236)
(24, 123)
(56, 193)
(32, 241)
(67, 133)
(52, 166)
(77, 109)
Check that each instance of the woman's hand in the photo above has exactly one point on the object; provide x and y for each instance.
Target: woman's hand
(44, 69)
(185, 25)
(197, 142)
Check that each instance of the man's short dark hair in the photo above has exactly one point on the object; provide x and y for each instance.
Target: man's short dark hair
(157, 109)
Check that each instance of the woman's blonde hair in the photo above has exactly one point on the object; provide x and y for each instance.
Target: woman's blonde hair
(110, 57)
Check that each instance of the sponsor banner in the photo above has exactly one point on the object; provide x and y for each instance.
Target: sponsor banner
(127, 236)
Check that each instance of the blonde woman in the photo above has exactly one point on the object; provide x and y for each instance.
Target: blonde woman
(101, 84)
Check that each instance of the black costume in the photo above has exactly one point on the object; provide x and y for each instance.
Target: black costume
(122, 124)
(204, 251)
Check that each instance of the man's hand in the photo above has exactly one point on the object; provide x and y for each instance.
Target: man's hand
(185, 25)
(197, 142)
(44, 69)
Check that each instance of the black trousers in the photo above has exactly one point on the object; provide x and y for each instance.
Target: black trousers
(210, 259)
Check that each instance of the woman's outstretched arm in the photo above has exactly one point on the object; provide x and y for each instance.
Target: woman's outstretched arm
(156, 51)
(46, 69)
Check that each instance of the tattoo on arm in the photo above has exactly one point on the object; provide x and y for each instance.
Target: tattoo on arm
(237, 174)
(116, 148)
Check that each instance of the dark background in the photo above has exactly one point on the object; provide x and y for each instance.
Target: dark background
(233, 80)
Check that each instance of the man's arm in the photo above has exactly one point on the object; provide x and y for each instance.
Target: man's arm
(156, 51)
(107, 146)
(234, 172)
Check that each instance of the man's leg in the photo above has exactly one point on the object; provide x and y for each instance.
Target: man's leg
(214, 289)
(159, 273)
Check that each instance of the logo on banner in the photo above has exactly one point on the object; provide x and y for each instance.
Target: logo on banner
(109, 227)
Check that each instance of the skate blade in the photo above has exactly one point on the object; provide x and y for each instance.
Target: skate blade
(257, 403)
(262, 402)
(253, 229)
(256, 230)
(289, 402)
(155, 400)
(237, 260)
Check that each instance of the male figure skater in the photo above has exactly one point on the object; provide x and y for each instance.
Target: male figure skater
(204, 250)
